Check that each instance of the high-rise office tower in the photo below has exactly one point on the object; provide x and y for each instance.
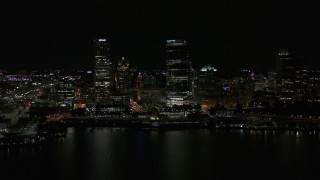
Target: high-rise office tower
(286, 67)
(122, 75)
(209, 85)
(179, 73)
(102, 70)
(65, 92)
(139, 84)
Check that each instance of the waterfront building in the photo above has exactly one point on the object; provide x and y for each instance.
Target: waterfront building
(209, 85)
(85, 93)
(313, 88)
(65, 92)
(122, 76)
(286, 68)
(271, 84)
(179, 73)
(117, 106)
(153, 95)
(102, 70)
(139, 85)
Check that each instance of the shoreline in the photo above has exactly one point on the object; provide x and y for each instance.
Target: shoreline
(54, 129)
(235, 122)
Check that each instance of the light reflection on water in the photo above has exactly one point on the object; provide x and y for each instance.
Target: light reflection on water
(107, 153)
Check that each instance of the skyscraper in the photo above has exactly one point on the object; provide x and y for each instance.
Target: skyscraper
(286, 67)
(102, 70)
(179, 72)
(122, 75)
(209, 85)
(65, 92)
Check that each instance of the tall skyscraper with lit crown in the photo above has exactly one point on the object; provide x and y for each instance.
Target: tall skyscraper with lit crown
(102, 70)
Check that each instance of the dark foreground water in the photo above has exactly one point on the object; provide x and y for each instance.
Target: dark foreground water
(102, 153)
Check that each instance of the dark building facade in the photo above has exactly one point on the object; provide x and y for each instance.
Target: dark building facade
(179, 73)
(209, 85)
(65, 92)
(122, 76)
(286, 72)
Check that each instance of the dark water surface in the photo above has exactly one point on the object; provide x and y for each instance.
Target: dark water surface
(103, 153)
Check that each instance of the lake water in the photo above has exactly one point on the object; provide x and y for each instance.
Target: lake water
(104, 153)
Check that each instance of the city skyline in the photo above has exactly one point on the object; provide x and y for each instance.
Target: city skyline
(228, 35)
(159, 89)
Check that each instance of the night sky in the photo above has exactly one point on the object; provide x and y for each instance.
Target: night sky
(229, 34)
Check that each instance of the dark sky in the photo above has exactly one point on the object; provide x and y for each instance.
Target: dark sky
(229, 34)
